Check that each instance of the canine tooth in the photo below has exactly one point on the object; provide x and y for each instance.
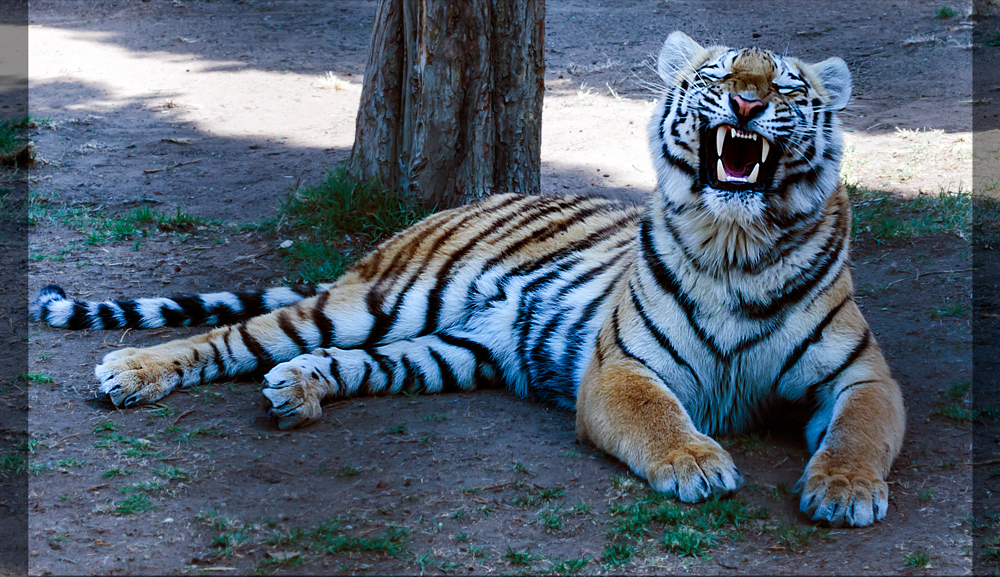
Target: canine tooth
(720, 139)
(720, 172)
(753, 174)
(763, 150)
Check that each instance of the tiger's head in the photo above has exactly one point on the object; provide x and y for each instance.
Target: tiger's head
(747, 136)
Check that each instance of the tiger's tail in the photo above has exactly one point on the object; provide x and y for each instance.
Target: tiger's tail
(223, 308)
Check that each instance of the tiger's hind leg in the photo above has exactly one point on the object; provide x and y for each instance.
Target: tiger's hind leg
(438, 363)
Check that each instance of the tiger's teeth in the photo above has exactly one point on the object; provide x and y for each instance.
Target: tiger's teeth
(753, 174)
(720, 139)
(763, 150)
(721, 172)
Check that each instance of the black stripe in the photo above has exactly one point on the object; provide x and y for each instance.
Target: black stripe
(130, 310)
(449, 382)
(335, 373)
(323, 323)
(107, 316)
(669, 284)
(548, 231)
(255, 348)
(80, 319)
(578, 246)
(366, 379)
(619, 342)
(812, 390)
(435, 300)
(482, 354)
(173, 317)
(813, 338)
(413, 379)
(570, 356)
(217, 359)
(304, 290)
(677, 163)
(229, 349)
(252, 303)
(805, 280)
(661, 339)
(388, 368)
(285, 324)
(193, 307)
(851, 386)
(375, 299)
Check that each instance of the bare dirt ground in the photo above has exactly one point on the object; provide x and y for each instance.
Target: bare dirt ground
(220, 108)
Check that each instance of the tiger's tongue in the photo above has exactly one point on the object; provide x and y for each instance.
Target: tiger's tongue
(738, 160)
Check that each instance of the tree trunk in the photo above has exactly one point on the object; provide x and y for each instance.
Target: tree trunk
(451, 107)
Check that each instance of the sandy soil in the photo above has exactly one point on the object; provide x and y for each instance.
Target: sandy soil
(240, 101)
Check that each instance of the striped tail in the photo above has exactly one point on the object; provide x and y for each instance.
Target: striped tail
(225, 308)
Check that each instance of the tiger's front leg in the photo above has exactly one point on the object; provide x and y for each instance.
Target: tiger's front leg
(437, 363)
(856, 434)
(626, 410)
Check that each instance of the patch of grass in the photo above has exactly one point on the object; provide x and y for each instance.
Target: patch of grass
(780, 490)
(14, 149)
(105, 427)
(954, 412)
(12, 464)
(751, 443)
(917, 560)
(399, 429)
(925, 495)
(949, 310)
(551, 518)
(150, 487)
(959, 389)
(626, 483)
(172, 474)
(945, 12)
(117, 472)
(569, 566)
(434, 417)
(341, 213)
(40, 377)
(534, 497)
(616, 554)
(135, 503)
(687, 541)
(989, 413)
(197, 432)
(519, 557)
(992, 40)
(792, 536)
(882, 216)
(520, 467)
(331, 537)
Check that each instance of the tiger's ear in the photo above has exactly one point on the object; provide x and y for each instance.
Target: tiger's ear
(836, 78)
(677, 52)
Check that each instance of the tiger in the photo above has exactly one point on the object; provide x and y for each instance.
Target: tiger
(725, 298)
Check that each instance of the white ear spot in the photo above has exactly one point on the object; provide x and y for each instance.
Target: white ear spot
(677, 52)
(836, 78)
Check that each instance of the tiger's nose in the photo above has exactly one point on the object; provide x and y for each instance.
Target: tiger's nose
(746, 110)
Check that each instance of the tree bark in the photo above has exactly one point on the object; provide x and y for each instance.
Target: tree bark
(451, 106)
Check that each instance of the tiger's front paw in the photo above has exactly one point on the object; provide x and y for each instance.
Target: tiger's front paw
(696, 471)
(136, 376)
(841, 497)
(295, 390)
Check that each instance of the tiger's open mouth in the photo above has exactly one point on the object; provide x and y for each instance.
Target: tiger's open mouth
(737, 160)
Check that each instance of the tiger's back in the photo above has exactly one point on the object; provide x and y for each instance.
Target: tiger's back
(530, 279)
